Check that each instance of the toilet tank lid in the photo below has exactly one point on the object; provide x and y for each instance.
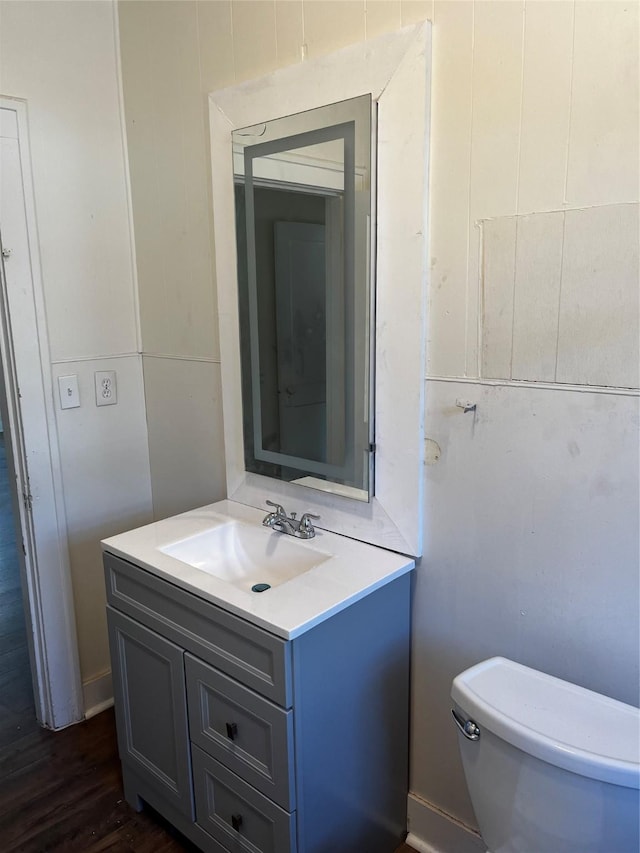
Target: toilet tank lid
(558, 722)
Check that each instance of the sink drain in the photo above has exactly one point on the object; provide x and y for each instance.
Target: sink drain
(260, 587)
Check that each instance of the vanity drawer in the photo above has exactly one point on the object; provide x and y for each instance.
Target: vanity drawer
(237, 815)
(254, 657)
(248, 734)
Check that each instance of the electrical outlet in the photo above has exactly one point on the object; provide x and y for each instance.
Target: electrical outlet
(106, 390)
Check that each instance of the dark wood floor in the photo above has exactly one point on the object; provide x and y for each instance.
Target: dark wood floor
(59, 791)
(62, 791)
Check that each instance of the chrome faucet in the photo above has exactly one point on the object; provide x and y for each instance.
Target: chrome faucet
(301, 528)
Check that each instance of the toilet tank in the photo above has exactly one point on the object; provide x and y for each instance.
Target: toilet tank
(550, 767)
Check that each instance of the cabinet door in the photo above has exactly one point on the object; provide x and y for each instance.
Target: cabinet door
(151, 708)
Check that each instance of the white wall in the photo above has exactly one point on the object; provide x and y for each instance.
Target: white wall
(532, 516)
(532, 507)
(168, 156)
(61, 57)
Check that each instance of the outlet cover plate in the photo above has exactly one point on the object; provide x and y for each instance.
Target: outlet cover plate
(106, 389)
(68, 390)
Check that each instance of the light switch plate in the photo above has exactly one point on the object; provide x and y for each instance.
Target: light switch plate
(68, 390)
(106, 389)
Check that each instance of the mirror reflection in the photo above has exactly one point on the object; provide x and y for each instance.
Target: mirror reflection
(303, 226)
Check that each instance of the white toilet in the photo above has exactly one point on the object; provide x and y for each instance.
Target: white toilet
(550, 767)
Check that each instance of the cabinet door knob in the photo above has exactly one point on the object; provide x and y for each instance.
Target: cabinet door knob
(236, 821)
(232, 731)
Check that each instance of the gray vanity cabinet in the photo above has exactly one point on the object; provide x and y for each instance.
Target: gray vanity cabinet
(249, 742)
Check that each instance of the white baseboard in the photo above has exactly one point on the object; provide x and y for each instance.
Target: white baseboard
(97, 694)
(433, 831)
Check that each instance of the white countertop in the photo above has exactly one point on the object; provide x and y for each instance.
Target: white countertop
(352, 570)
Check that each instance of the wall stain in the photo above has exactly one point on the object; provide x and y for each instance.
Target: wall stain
(432, 452)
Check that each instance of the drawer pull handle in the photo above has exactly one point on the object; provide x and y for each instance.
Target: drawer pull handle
(232, 731)
(236, 821)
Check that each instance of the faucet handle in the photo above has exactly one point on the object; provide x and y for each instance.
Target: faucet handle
(279, 510)
(305, 520)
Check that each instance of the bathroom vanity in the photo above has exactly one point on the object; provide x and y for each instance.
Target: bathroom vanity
(262, 682)
(274, 721)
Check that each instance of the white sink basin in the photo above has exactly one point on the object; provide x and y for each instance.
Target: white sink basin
(245, 555)
(218, 552)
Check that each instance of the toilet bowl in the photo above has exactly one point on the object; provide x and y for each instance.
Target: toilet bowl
(550, 767)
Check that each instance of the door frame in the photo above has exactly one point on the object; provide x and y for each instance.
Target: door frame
(35, 458)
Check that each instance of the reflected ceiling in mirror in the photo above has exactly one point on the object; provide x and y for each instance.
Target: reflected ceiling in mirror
(303, 190)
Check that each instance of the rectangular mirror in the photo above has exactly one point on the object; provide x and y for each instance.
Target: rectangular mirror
(306, 176)
(302, 186)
